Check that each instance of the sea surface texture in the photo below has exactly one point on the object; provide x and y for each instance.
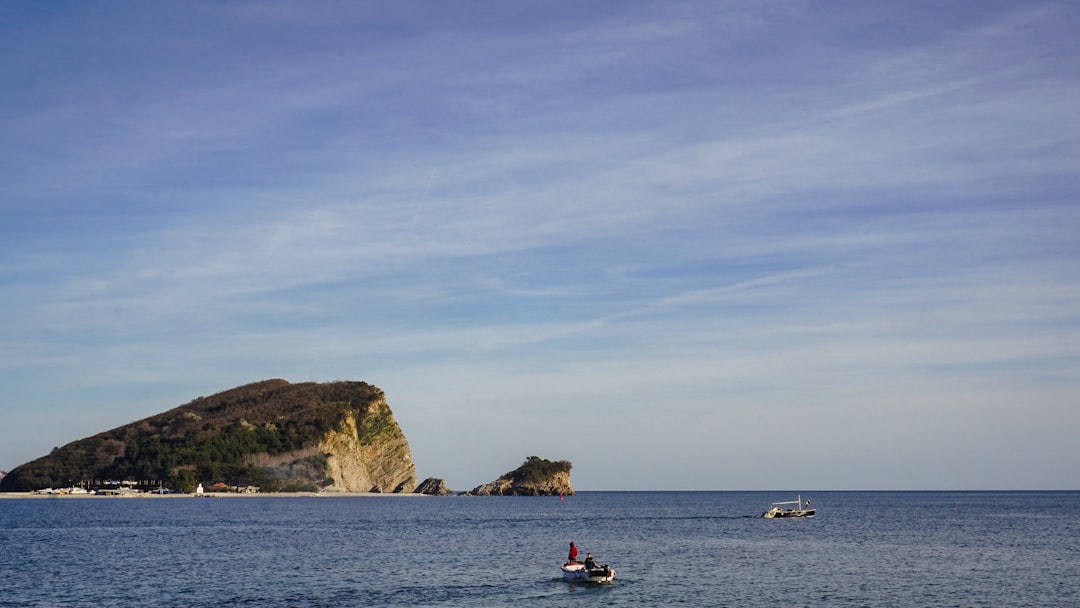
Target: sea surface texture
(894, 549)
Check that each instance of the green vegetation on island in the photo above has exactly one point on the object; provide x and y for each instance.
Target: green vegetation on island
(538, 470)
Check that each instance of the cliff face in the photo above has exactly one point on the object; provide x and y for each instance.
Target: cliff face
(537, 477)
(338, 436)
(369, 456)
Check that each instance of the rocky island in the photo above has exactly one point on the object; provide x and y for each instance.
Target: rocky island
(537, 477)
(269, 436)
(272, 435)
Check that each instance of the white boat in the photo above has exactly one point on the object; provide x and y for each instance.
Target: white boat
(797, 510)
(578, 573)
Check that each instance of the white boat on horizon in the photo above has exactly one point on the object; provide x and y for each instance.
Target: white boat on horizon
(777, 510)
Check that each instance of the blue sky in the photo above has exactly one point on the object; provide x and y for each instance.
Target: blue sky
(697, 245)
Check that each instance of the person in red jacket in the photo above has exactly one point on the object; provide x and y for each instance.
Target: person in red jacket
(572, 558)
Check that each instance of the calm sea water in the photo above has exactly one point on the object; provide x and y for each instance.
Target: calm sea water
(904, 549)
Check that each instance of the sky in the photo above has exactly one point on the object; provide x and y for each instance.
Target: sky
(736, 245)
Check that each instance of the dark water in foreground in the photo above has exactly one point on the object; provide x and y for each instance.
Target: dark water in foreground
(905, 549)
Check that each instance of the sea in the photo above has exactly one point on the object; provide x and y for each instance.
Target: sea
(865, 549)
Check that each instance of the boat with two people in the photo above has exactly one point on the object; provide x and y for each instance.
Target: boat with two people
(784, 509)
(587, 571)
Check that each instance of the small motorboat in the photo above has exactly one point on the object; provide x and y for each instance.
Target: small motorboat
(578, 573)
(797, 510)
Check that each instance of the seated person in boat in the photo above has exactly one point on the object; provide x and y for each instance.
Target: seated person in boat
(590, 563)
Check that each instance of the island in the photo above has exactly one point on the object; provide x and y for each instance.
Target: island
(536, 477)
(266, 437)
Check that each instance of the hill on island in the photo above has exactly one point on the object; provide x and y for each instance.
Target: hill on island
(336, 436)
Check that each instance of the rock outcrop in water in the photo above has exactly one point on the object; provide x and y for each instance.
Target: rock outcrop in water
(332, 437)
(537, 477)
(433, 487)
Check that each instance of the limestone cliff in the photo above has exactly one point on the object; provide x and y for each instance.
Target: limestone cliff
(336, 437)
(371, 456)
(537, 477)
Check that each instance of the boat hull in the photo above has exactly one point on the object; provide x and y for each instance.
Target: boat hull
(579, 574)
(777, 513)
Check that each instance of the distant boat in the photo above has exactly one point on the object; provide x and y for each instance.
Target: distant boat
(797, 510)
